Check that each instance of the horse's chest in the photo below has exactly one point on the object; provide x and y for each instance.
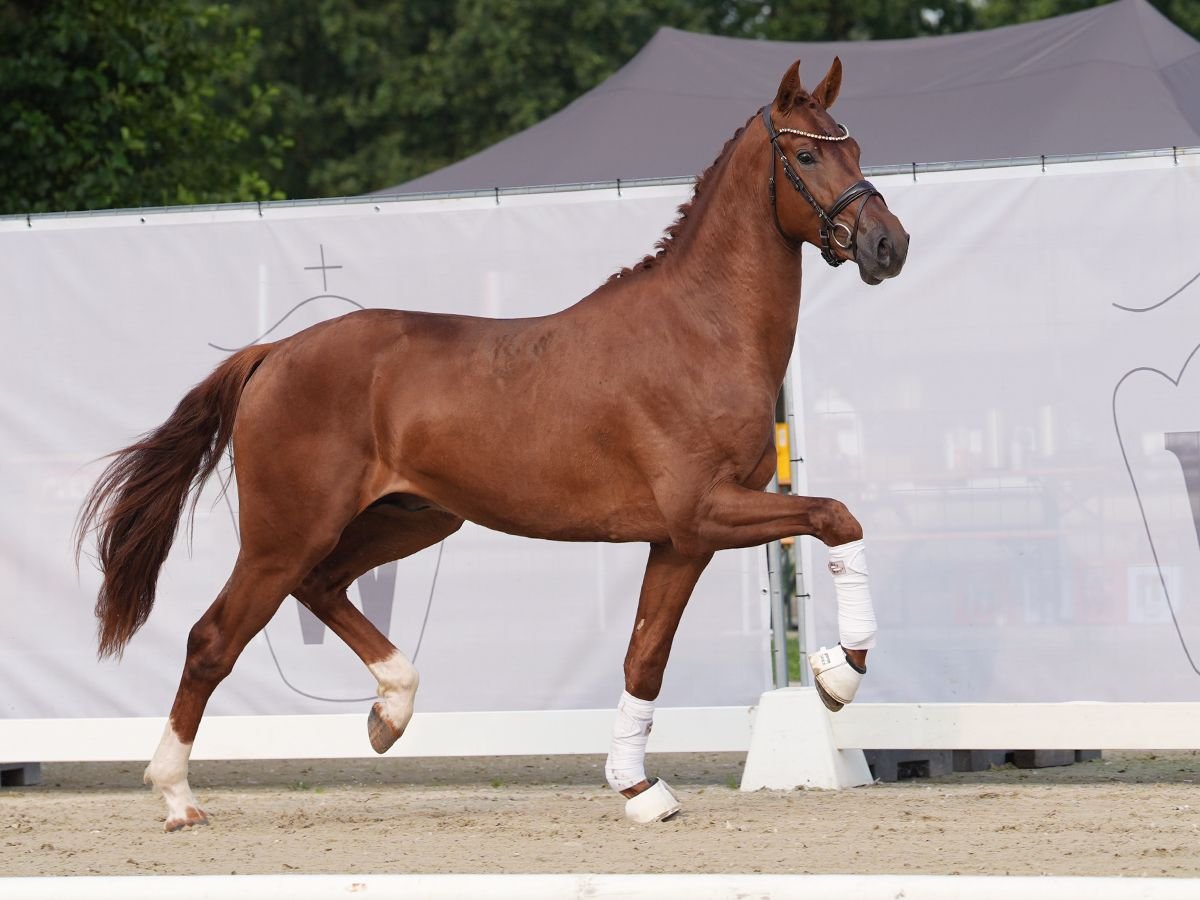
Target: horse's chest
(740, 420)
(726, 446)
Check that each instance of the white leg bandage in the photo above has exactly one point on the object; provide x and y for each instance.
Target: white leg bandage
(627, 756)
(856, 615)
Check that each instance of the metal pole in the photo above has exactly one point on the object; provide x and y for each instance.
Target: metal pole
(778, 613)
(799, 486)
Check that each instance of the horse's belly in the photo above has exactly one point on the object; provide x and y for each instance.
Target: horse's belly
(544, 501)
(566, 527)
(532, 481)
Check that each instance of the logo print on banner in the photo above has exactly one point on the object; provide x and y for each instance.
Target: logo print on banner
(294, 640)
(1186, 447)
(1157, 424)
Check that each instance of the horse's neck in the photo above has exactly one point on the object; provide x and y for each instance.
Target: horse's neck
(734, 269)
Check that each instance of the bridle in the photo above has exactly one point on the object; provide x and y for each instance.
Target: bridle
(829, 228)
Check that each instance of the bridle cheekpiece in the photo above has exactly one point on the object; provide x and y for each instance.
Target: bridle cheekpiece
(829, 228)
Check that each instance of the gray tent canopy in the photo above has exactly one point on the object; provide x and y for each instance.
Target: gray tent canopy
(1113, 78)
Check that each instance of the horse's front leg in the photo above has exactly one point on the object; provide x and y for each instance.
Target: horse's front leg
(736, 516)
(668, 583)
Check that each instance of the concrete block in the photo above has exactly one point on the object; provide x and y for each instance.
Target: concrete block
(900, 765)
(978, 760)
(1041, 759)
(20, 774)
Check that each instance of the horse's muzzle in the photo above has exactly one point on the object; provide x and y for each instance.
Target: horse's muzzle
(882, 255)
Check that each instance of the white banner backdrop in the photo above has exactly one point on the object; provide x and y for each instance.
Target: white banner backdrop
(1016, 422)
(108, 320)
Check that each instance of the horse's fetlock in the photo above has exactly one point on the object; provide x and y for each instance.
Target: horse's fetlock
(396, 675)
(409, 680)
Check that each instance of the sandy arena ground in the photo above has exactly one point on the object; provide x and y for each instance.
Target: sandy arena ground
(1128, 814)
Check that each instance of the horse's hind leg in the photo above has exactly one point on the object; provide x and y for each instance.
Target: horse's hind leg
(668, 583)
(285, 532)
(380, 534)
(245, 605)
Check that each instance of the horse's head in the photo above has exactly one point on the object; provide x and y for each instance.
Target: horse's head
(831, 206)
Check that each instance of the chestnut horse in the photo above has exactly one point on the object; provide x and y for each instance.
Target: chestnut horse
(356, 440)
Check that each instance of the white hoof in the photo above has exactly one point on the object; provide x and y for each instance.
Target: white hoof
(654, 804)
(837, 680)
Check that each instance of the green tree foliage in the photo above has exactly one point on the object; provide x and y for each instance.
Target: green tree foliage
(142, 102)
(380, 91)
(377, 92)
(110, 103)
(830, 20)
(837, 20)
(993, 13)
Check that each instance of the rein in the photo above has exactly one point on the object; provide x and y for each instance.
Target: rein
(829, 228)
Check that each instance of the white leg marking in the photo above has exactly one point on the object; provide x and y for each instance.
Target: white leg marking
(168, 772)
(398, 681)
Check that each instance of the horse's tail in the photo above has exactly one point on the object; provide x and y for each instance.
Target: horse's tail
(136, 504)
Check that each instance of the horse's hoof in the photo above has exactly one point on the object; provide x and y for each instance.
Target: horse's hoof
(191, 817)
(655, 804)
(835, 677)
(830, 704)
(380, 730)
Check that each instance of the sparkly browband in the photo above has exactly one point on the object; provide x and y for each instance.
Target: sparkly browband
(820, 137)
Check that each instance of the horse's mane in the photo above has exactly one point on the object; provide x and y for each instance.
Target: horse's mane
(667, 241)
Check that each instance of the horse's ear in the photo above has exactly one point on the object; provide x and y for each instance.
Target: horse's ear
(827, 91)
(790, 88)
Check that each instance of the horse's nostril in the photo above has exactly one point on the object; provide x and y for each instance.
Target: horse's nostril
(883, 253)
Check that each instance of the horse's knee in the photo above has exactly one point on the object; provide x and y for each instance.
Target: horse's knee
(643, 678)
(321, 586)
(836, 524)
(317, 595)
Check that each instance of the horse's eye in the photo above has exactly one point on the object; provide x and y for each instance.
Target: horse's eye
(805, 158)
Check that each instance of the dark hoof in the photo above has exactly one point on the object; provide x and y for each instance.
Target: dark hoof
(193, 817)
(380, 731)
(830, 704)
